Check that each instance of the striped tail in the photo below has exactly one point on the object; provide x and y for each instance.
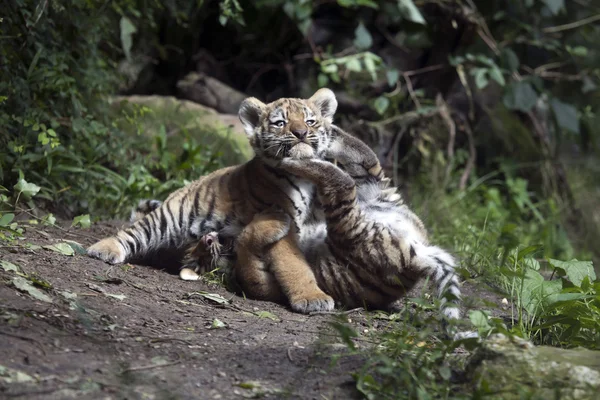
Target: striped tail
(438, 265)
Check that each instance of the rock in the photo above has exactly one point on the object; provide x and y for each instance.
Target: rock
(205, 124)
(208, 91)
(509, 368)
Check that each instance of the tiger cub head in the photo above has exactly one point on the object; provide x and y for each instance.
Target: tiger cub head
(289, 127)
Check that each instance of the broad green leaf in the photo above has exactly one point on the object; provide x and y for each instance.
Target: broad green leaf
(8, 266)
(575, 270)
(509, 58)
(77, 247)
(566, 115)
(353, 65)
(588, 85)
(25, 286)
(330, 68)
(62, 248)
(479, 319)
(322, 80)
(11, 376)
(381, 104)
(409, 11)
(392, 76)
(520, 96)
(127, 31)
(6, 219)
(362, 37)
(555, 5)
(481, 80)
(217, 323)
(26, 190)
(496, 75)
(531, 263)
(82, 220)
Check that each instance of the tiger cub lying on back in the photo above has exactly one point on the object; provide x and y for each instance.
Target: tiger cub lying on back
(228, 199)
(367, 249)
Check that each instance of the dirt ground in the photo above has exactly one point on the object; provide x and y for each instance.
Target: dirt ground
(139, 332)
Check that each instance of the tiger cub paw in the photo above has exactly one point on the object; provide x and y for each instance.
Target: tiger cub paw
(108, 250)
(311, 303)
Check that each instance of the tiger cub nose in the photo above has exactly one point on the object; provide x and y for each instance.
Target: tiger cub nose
(300, 133)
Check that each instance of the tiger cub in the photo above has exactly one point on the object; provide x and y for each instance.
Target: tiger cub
(367, 250)
(227, 200)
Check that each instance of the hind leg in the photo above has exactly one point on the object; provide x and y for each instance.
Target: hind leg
(271, 267)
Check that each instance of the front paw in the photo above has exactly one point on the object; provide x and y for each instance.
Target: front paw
(108, 250)
(313, 302)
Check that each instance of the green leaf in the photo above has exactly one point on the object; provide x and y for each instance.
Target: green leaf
(555, 5)
(509, 58)
(322, 80)
(82, 220)
(381, 104)
(6, 219)
(410, 12)
(362, 37)
(353, 64)
(575, 270)
(481, 80)
(520, 96)
(566, 115)
(588, 85)
(25, 286)
(77, 247)
(479, 319)
(8, 266)
(127, 31)
(392, 76)
(217, 324)
(330, 68)
(26, 190)
(34, 62)
(62, 248)
(496, 75)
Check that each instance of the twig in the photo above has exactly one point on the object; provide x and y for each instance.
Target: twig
(289, 354)
(472, 156)
(146, 367)
(409, 86)
(347, 312)
(445, 114)
(425, 69)
(572, 25)
(25, 338)
(59, 227)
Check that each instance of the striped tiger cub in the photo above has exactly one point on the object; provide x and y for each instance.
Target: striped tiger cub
(366, 248)
(228, 199)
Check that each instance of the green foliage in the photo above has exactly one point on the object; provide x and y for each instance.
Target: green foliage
(405, 359)
(61, 142)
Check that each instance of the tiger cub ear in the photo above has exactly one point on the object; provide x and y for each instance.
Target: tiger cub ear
(326, 103)
(250, 112)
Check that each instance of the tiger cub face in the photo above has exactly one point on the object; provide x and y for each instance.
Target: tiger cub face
(289, 127)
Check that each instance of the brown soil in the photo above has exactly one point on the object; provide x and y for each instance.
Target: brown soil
(158, 341)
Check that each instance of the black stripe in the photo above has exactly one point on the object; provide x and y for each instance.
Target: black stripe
(146, 227)
(129, 245)
(173, 222)
(163, 223)
(412, 251)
